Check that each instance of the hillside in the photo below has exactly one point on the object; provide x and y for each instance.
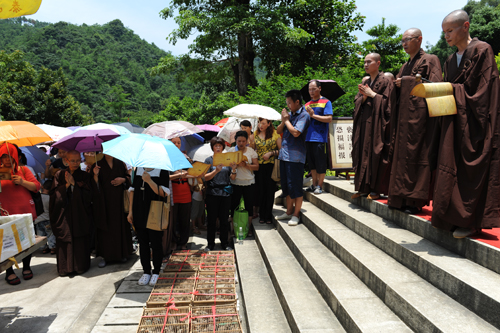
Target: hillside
(95, 60)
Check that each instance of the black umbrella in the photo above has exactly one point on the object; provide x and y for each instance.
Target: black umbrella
(329, 89)
(133, 128)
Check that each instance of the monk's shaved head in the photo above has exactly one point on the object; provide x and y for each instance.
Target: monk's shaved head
(457, 17)
(72, 153)
(374, 56)
(389, 75)
(414, 32)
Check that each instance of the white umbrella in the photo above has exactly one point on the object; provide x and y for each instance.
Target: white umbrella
(55, 132)
(253, 111)
(102, 126)
(200, 153)
(172, 129)
(232, 126)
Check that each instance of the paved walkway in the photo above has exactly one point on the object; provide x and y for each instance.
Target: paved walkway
(101, 300)
(49, 303)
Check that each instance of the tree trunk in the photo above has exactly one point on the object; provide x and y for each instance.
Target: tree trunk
(243, 71)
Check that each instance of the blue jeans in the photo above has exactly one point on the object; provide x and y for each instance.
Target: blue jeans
(43, 229)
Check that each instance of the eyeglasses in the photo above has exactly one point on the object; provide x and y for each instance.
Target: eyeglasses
(406, 40)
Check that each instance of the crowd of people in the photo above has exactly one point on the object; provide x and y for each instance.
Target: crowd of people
(398, 150)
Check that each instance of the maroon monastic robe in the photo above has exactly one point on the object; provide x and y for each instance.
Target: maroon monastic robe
(467, 189)
(70, 219)
(411, 128)
(113, 235)
(371, 139)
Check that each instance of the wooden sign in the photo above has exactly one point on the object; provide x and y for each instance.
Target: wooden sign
(341, 131)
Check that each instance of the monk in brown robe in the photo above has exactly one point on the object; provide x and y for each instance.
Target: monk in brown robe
(113, 235)
(410, 186)
(70, 216)
(467, 191)
(373, 104)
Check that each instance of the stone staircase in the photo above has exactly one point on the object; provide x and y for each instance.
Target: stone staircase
(358, 266)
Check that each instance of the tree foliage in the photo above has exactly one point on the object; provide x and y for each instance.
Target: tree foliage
(95, 59)
(484, 18)
(386, 41)
(36, 96)
(234, 32)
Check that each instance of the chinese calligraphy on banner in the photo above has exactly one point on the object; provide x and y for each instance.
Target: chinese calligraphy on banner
(341, 143)
(16, 8)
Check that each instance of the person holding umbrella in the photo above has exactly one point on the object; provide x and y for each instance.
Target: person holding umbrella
(320, 112)
(15, 198)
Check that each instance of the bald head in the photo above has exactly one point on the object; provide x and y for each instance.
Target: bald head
(374, 56)
(414, 32)
(389, 75)
(72, 153)
(456, 17)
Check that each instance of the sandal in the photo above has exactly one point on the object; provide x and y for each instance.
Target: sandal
(28, 276)
(262, 221)
(52, 251)
(196, 231)
(45, 251)
(13, 281)
(269, 222)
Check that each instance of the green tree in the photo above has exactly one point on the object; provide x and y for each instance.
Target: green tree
(117, 101)
(386, 41)
(36, 96)
(484, 18)
(234, 32)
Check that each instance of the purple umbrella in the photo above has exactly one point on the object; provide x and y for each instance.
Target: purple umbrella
(86, 140)
(209, 128)
(73, 128)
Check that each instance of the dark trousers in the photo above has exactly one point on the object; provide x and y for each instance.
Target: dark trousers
(247, 192)
(26, 266)
(217, 207)
(150, 239)
(267, 187)
(182, 215)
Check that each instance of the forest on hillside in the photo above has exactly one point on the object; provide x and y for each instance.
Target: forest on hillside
(106, 66)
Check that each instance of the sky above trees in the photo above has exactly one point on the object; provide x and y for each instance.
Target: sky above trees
(144, 19)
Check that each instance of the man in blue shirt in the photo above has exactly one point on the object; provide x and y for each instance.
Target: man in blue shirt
(320, 111)
(292, 154)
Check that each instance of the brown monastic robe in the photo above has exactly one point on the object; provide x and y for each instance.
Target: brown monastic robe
(371, 139)
(467, 190)
(70, 219)
(411, 131)
(113, 235)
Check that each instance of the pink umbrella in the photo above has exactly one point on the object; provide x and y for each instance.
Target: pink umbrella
(86, 140)
(209, 128)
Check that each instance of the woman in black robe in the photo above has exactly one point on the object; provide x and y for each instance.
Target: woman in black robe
(113, 234)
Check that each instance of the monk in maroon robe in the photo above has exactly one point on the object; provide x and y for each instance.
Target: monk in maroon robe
(411, 129)
(467, 191)
(371, 139)
(70, 216)
(113, 235)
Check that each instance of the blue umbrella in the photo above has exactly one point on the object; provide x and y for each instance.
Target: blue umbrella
(143, 150)
(35, 157)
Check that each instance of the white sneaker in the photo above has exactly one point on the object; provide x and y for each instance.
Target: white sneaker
(318, 190)
(284, 216)
(294, 221)
(144, 280)
(154, 279)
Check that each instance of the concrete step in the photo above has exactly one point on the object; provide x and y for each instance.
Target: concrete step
(470, 284)
(474, 250)
(263, 308)
(422, 307)
(355, 305)
(305, 309)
